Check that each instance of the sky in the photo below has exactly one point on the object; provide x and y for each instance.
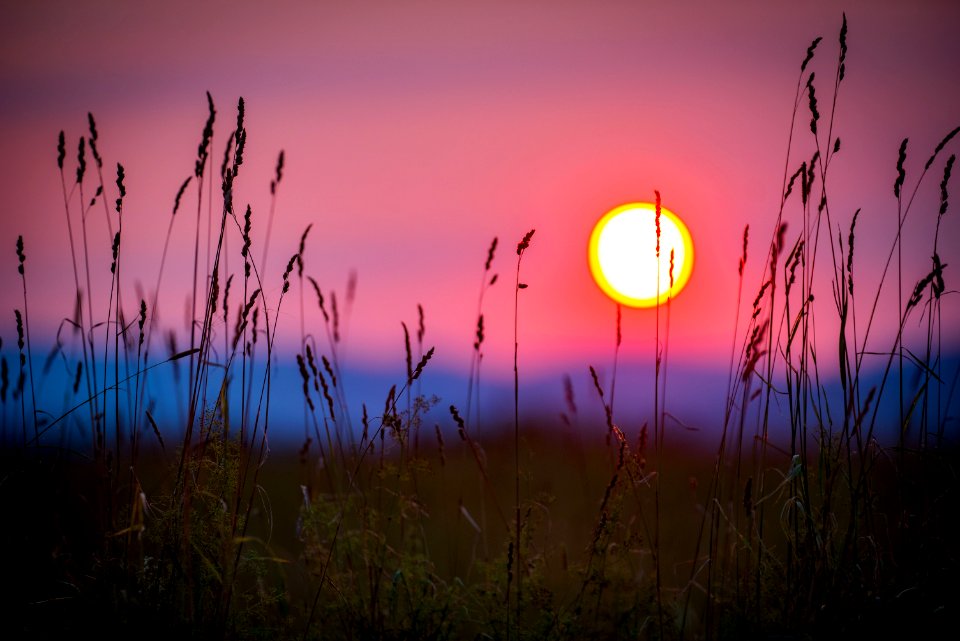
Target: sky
(416, 132)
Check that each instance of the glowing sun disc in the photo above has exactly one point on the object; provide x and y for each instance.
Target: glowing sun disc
(623, 255)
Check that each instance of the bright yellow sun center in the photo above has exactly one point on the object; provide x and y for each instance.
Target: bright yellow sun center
(623, 255)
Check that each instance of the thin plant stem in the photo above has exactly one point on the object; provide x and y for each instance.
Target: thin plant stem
(518, 553)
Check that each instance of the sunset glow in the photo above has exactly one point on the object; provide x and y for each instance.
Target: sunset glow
(281, 357)
(623, 255)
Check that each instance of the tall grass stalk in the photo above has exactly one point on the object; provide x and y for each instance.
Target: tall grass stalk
(21, 259)
(522, 246)
(101, 194)
(100, 427)
(200, 169)
(476, 356)
(616, 354)
(657, 428)
(473, 376)
(79, 322)
(118, 314)
(303, 328)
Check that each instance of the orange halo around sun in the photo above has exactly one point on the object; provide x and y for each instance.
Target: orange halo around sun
(623, 258)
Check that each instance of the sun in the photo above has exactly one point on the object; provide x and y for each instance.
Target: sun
(623, 255)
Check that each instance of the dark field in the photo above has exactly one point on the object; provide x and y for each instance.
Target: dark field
(423, 548)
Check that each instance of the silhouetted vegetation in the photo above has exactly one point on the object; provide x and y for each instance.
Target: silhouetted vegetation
(389, 526)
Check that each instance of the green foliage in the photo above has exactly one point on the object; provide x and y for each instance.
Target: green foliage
(194, 568)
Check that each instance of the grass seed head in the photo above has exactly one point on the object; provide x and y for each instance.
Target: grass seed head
(477, 343)
(490, 252)
(303, 242)
(671, 285)
(843, 49)
(226, 298)
(228, 148)
(940, 146)
(406, 346)
(810, 51)
(814, 113)
(92, 124)
(120, 187)
(61, 149)
(176, 201)
(336, 317)
(288, 271)
(21, 257)
(421, 328)
(279, 175)
(801, 171)
(365, 420)
(525, 243)
(203, 150)
(313, 368)
(20, 343)
(316, 289)
(81, 160)
(329, 370)
(142, 319)
(305, 378)
(743, 258)
(656, 220)
(901, 174)
(461, 426)
(326, 394)
(853, 225)
(95, 153)
(619, 325)
(947, 170)
(423, 363)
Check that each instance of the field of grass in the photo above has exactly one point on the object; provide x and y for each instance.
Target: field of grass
(388, 525)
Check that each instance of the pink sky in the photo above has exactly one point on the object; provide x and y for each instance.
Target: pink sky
(415, 132)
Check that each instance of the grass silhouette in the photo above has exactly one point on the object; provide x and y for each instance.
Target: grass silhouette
(813, 527)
